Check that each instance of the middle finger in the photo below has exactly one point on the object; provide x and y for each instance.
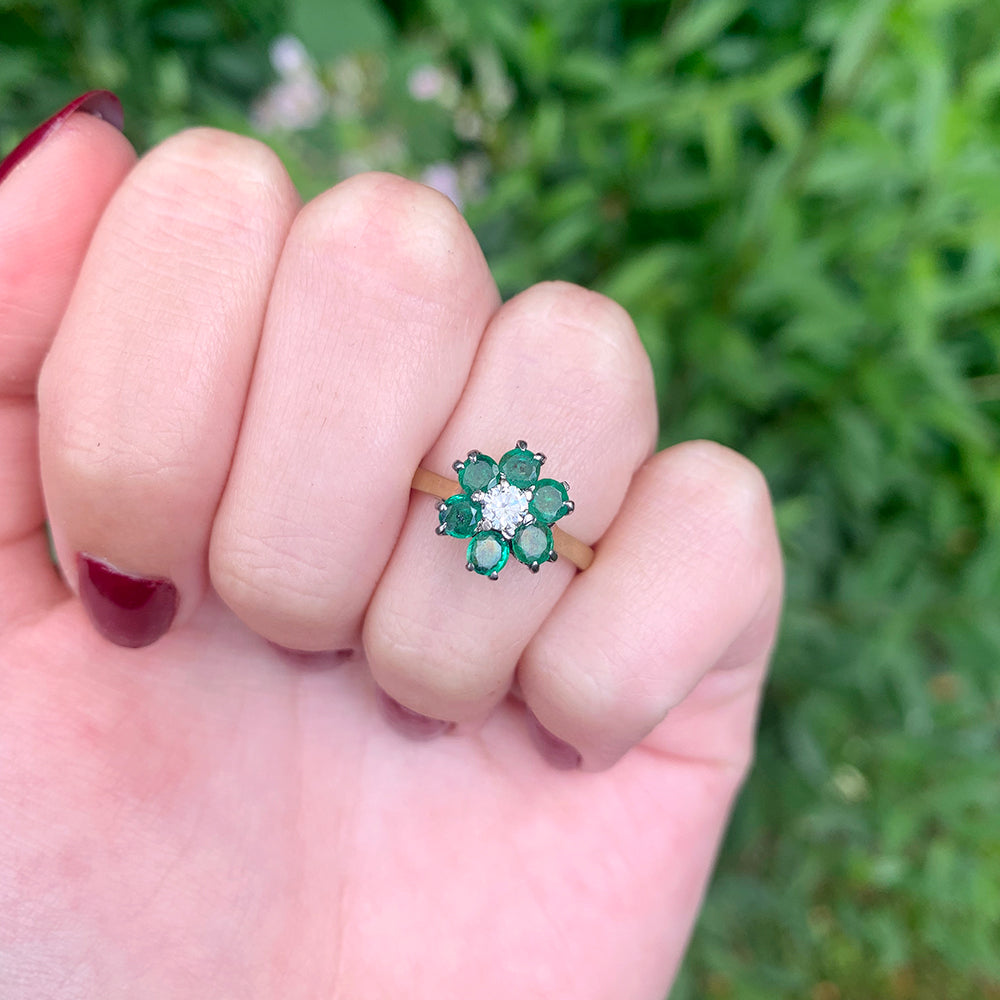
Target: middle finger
(378, 304)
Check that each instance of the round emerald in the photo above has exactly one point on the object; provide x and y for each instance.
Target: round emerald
(460, 516)
(548, 503)
(487, 553)
(479, 473)
(520, 467)
(532, 544)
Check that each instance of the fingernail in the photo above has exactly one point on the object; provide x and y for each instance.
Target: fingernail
(99, 103)
(128, 610)
(556, 751)
(410, 723)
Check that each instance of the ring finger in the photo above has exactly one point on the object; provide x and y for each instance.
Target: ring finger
(562, 369)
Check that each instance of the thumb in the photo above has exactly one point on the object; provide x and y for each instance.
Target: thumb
(53, 188)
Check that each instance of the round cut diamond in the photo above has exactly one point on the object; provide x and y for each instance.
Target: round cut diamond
(504, 507)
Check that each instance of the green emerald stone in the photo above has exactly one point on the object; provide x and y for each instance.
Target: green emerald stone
(478, 474)
(532, 543)
(548, 503)
(460, 516)
(487, 553)
(520, 467)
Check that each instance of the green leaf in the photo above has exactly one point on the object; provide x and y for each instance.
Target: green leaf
(330, 31)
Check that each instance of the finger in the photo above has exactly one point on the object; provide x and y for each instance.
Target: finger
(681, 603)
(53, 188)
(563, 369)
(378, 306)
(141, 395)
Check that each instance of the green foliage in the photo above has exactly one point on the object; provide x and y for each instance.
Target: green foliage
(171, 63)
(798, 202)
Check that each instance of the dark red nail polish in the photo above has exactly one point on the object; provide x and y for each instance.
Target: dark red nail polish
(99, 103)
(410, 723)
(128, 610)
(556, 751)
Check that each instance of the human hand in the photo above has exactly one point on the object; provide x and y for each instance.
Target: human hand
(233, 392)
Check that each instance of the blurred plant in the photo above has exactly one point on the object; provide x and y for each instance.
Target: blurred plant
(171, 63)
(297, 100)
(797, 202)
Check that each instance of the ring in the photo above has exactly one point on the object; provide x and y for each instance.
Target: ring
(503, 508)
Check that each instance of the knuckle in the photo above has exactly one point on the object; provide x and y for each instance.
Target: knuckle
(429, 671)
(604, 357)
(599, 326)
(619, 701)
(731, 483)
(395, 226)
(728, 514)
(210, 179)
(279, 597)
(80, 451)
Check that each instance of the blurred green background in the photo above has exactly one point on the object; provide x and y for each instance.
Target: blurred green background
(799, 203)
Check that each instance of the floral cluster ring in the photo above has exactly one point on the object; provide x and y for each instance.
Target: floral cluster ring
(504, 508)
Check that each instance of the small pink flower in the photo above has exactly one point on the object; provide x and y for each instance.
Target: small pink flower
(425, 83)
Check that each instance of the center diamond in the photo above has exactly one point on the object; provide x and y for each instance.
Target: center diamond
(504, 507)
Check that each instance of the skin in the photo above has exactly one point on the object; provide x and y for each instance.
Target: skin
(203, 380)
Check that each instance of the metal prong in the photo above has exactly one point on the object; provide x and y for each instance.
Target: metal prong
(495, 575)
(469, 566)
(569, 505)
(440, 530)
(533, 567)
(501, 477)
(565, 486)
(508, 533)
(539, 458)
(473, 455)
(523, 445)
(458, 465)
(441, 505)
(528, 519)
(530, 491)
(554, 556)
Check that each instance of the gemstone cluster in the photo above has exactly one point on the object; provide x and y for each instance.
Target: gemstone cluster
(504, 509)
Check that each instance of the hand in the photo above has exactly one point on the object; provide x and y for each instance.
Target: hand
(233, 392)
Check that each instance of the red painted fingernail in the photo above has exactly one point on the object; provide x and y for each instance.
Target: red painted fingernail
(410, 723)
(128, 610)
(556, 751)
(99, 103)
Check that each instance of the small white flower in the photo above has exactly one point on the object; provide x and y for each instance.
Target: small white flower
(291, 105)
(289, 56)
(425, 83)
